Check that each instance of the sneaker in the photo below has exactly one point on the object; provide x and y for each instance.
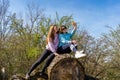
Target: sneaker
(79, 54)
(27, 76)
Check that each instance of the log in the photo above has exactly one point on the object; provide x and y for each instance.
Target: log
(34, 76)
(66, 67)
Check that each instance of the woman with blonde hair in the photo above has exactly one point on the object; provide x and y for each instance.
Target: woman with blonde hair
(50, 52)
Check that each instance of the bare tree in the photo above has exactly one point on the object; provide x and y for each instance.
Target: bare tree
(4, 20)
(34, 15)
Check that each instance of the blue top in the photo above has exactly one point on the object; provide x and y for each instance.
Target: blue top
(65, 38)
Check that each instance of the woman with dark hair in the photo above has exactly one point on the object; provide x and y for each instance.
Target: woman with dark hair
(66, 45)
(51, 47)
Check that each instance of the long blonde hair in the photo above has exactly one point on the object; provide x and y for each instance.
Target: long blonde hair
(50, 36)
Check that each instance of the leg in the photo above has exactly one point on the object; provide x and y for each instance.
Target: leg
(40, 60)
(73, 47)
(48, 61)
(64, 49)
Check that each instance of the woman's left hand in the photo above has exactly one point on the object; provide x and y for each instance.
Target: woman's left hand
(74, 41)
(56, 54)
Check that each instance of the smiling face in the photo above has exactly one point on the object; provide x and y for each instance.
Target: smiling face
(63, 29)
(55, 29)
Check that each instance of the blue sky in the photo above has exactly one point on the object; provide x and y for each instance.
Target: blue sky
(92, 15)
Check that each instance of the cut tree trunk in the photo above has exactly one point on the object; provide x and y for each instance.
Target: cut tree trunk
(66, 67)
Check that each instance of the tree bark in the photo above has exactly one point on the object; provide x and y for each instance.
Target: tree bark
(66, 67)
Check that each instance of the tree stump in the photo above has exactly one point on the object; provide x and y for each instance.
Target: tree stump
(66, 67)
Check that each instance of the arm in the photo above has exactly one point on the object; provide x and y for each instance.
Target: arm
(65, 41)
(52, 47)
(74, 28)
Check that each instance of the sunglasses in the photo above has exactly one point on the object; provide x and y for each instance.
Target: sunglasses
(64, 28)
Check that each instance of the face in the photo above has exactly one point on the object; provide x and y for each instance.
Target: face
(64, 30)
(55, 29)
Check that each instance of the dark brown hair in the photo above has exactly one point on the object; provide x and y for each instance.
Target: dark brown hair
(62, 27)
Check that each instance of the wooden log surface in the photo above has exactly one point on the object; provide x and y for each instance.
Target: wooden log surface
(66, 67)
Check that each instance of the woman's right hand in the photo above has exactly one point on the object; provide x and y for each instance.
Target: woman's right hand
(74, 23)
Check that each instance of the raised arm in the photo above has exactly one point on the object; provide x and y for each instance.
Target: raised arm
(74, 28)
